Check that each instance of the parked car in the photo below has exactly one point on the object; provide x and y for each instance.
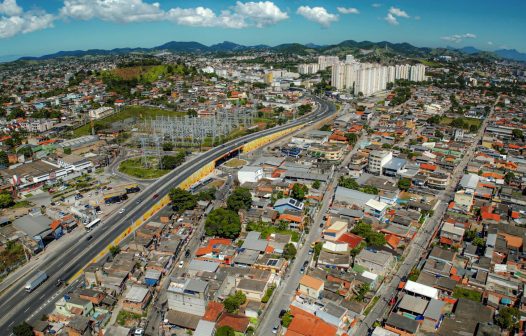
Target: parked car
(276, 327)
(155, 196)
(181, 264)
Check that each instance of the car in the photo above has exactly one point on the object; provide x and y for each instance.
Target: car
(59, 282)
(276, 327)
(282, 312)
(302, 270)
(321, 225)
(139, 332)
(181, 264)
(311, 251)
(155, 196)
(122, 210)
(306, 263)
(138, 201)
(90, 237)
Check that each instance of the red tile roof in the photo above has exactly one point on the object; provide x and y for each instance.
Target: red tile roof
(213, 310)
(351, 239)
(428, 166)
(237, 322)
(306, 324)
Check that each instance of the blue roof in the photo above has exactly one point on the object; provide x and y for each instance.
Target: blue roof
(395, 164)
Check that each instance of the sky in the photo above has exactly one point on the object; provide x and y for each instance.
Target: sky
(38, 27)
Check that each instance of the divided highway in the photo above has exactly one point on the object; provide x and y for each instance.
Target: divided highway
(17, 305)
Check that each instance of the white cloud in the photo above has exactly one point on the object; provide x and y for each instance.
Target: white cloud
(417, 18)
(262, 13)
(14, 21)
(10, 8)
(112, 10)
(318, 15)
(349, 10)
(391, 19)
(241, 15)
(490, 43)
(376, 5)
(393, 14)
(398, 12)
(457, 38)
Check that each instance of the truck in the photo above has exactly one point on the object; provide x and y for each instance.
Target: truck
(35, 281)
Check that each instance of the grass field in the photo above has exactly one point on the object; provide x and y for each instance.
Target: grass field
(469, 121)
(148, 73)
(140, 112)
(430, 64)
(134, 167)
(473, 295)
(235, 163)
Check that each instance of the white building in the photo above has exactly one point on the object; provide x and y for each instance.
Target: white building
(308, 69)
(326, 61)
(101, 112)
(250, 174)
(377, 160)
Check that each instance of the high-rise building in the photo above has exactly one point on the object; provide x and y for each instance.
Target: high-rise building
(370, 78)
(308, 69)
(327, 61)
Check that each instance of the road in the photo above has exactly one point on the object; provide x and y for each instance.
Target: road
(283, 295)
(17, 305)
(421, 242)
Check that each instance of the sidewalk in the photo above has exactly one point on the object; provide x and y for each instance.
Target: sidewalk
(49, 252)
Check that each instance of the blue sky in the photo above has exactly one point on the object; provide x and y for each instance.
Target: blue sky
(36, 27)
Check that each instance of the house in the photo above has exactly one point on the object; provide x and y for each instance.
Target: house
(253, 289)
(403, 326)
(335, 231)
(136, 299)
(378, 262)
(307, 324)
(375, 208)
(311, 286)
(250, 174)
(288, 204)
(451, 235)
(188, 295)
(237, 322)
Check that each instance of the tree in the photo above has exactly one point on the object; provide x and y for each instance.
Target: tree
(67, 150)
(171, 162)
(114, 250)
(404, 184)
(233, 302)
(182, 200)
(23, 329)
(207, 195)
(305, 108)
(325, 127)
(317, 249)
(239, 199)
(372, 238)
(517, 133)
(192, 113)
(508, 318)
(289, 251)
(361, 291)
(225, 331)
(351, 138)
(478, 241)
(286, 319)
(299, 191)
(168, 146)
(6, 200)
(439, 134)
(4, 159)
(26, 151)
(510, 176)
(316, 184)
(223, 223)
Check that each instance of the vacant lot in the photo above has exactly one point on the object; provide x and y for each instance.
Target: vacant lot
(469, 121)
(139, 112)
(135, 168)
(235, 163)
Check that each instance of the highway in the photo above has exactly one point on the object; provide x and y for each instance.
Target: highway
(17, 305)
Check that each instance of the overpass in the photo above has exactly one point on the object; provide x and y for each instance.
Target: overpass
(17, 305)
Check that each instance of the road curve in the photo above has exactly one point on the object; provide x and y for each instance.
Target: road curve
(17, 305)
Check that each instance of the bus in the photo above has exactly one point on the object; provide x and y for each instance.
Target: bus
(92, 225)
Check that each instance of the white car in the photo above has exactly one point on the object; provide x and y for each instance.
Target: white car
(122, 210)
(139, 332)
(181, 264)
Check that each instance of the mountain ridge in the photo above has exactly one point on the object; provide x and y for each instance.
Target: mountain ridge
(288, 48)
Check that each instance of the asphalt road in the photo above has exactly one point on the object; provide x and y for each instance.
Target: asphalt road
(17, 305)
(283, 295)
(419, 246)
